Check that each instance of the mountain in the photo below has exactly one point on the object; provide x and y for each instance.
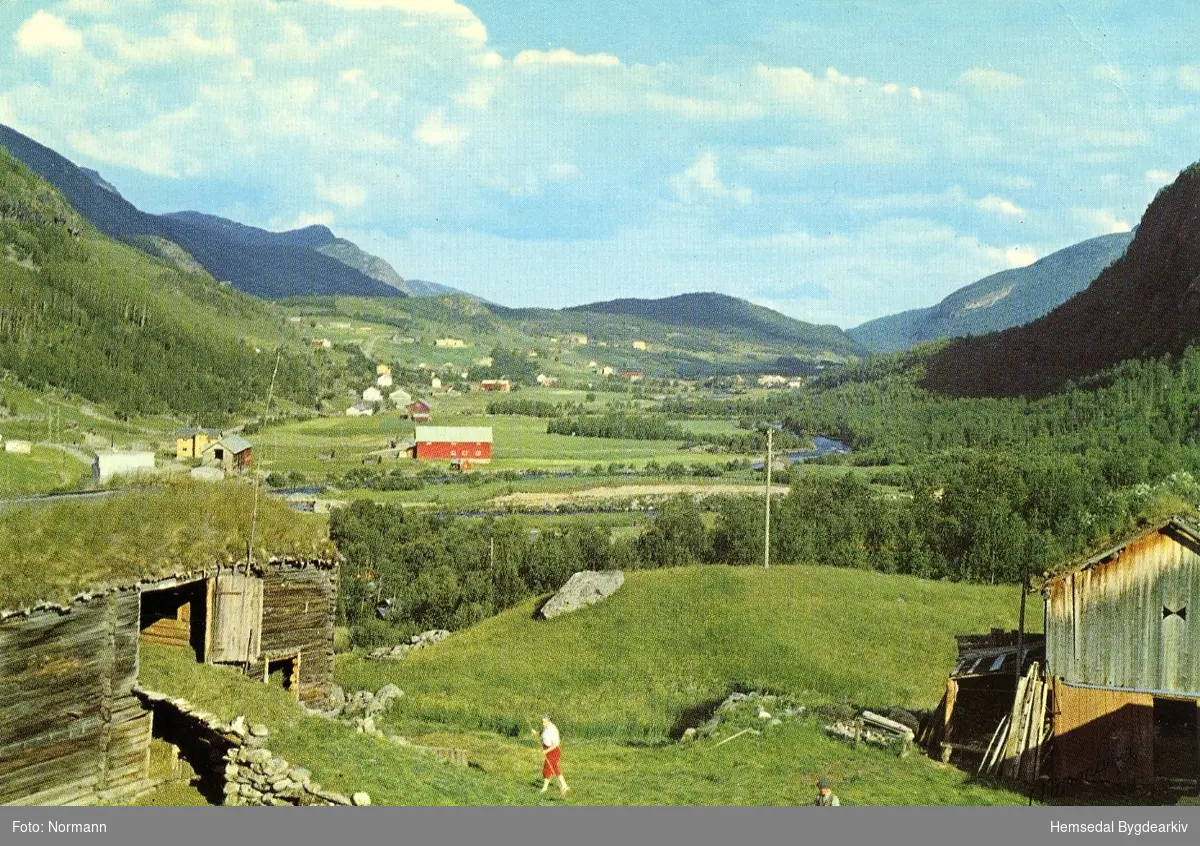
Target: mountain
(1000, 301)
(266, 264)
(1146, 304)
(719, 312)
(421, 288)
(82, 312)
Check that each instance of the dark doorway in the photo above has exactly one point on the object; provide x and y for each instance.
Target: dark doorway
(1175, 739)
(285, 673)
(175, 617)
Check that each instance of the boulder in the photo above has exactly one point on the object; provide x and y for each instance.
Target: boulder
(361, 799)
(586, 587)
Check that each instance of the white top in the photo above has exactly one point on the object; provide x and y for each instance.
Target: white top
(550, 736)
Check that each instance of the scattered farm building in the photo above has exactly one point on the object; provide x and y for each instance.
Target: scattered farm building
(383, 369)
(633, 375)
(111, 463)
(771, 380)
(453, 343)
(641, 345)
(372, 394)
(383, 380)
(473, 443)
(486, 361)
(546, 381)
(190, 443)
(400, 398)
(1123, 660)
(18, 447)
(360, 409)
(322, 344)
(232, 453)
(607, 370)
(420, 411)
(499, 385)
(435, 383)
(72, 727)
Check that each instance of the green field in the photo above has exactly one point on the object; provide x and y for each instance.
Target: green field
(46, 468)
(619, 676)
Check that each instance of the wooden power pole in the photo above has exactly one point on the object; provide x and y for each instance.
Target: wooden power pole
(767, 531)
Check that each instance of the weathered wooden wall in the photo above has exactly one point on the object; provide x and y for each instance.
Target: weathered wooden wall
(1120, 623)
(1102, 735)
(176, 616)
(71, 730)
(298, 609)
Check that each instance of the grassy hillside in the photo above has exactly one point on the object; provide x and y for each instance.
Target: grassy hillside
(619, 676)
(1002, 300)
(111, 324)
(671, 640)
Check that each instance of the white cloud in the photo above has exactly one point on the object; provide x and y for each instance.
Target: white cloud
(703, 109)
(435, 132)
(562, 171)
(1017, 256)
(700, 181)
(990, 79)
(992, 203)
(1105, 219)
(345, 194)
(1158, 178)
(565, 57)
(181, 43)
(300, 221)
(1115, 138)
(1189, 77)
(915, 93)
(44, 33)
(468, 26)
(478, 95)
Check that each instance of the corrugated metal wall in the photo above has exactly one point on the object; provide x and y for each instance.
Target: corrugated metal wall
(1129, 622)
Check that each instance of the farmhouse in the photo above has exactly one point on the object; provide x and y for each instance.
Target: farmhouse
(232, 453)
(455, 343)
(1123, 660)
(499, 385)
(383, 380)
(190, 443)
(322, 344)
(113, 574)
(400, 398)
(372, 394)
(641, 345)
(381, 369)
(360, 409)
(473, 443)
(111, 463)
(420, 411)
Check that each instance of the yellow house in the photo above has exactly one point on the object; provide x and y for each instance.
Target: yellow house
(641, 345)
(190, 443)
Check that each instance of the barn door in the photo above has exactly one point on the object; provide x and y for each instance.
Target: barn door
(236, 615)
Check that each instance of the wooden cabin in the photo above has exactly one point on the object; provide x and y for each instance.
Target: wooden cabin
(71, 729)
(1123, 659)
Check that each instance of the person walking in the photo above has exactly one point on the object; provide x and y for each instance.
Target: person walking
(825, 795)
(552, 752)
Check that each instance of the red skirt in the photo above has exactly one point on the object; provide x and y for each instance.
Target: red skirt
(550, 766)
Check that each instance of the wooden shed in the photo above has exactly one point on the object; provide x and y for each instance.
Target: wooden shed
(168, 567)
(1123, 659)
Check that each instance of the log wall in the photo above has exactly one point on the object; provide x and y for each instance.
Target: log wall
(298, 609)
(71, 731)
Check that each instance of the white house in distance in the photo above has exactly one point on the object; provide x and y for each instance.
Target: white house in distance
(110, 463)
(383, 380)
(400, 398)
(19, 447)
(450, 342)
(641, 345)
(372, 394)
(360, 409)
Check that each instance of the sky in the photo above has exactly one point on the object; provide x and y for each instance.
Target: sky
(836, 161)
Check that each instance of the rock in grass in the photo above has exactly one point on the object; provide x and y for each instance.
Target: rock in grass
(586, 587)
(361, 798)
(258, 730)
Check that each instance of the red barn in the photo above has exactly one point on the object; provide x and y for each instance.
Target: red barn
(473, 443)
(501, 385)
(419, 411)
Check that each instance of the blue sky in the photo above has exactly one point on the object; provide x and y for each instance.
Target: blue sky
(836, 161)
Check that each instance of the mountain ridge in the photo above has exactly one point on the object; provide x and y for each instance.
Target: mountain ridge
(1009, 298)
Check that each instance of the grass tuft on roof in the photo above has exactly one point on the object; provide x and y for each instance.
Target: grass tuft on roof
(53, 553)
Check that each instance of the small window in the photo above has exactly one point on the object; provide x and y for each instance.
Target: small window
(997, 664)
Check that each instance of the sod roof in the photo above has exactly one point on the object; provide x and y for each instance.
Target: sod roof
(53, 553)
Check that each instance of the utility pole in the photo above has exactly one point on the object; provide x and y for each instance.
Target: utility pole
(767, 532)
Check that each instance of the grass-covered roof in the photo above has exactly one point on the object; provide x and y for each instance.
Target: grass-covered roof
(52, 553)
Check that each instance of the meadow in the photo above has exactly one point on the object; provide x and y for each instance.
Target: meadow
(622, 678)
